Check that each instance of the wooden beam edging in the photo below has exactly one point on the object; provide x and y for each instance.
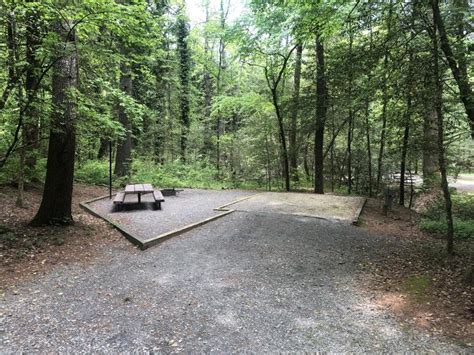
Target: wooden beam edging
(96, 199)
(356, 221)
(223, 207)
(129, 235)
(164, 236)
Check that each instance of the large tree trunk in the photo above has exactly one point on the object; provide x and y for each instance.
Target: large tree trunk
(123, 158)
(461, 77)
(55, 206)
(294, 115)
(321, 109)
(184, 68)
(441, 150)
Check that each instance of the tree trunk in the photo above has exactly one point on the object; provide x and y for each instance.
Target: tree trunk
(184, 68)
(220, 73)
(281, 131)
(404, 154)
(294, 115)
(321, 109)
(384, 101)
(55, 206)
(33, 71)
(103, 148)
(430, 146)
(207, 86)
(123, 157)
(441, 150)
(461, 77)
(351, 117)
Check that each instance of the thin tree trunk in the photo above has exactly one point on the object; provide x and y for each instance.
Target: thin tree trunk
(273, 84)
(441, 149)
(351, 117)
(294, 115)
(207, 83)
(305, 158)
(281, 131)
(369, 149)
(33, 70)
(404, 153)
(461, 77)
(220, 72)
(385, 99)
(55, 206)
(321, 110)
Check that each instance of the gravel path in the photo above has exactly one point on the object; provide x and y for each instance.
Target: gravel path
(342, 208)
(246, 282)
(464, 183)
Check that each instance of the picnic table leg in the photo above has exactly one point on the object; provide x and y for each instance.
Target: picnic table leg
(139, 197)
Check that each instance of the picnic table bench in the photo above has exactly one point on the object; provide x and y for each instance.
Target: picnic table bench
(139, 190)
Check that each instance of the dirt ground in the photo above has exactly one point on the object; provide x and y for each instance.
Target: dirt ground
(417, 283)
(420, 284)
(29, 252)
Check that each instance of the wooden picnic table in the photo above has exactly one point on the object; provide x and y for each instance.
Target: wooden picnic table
(138, 189)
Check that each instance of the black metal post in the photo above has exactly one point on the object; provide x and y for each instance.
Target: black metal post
(110, 168)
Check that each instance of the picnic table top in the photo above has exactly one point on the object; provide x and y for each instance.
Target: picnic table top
(138, 188)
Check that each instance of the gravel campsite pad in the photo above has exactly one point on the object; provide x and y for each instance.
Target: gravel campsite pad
(258, 282)
(188, 207)
(344, 208)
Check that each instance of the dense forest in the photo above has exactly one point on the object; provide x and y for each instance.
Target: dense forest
(329, 95)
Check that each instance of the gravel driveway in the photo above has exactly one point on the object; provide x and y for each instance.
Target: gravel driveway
(246, 282)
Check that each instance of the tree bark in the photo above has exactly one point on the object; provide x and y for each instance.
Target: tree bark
(273, 84)
(207, 87)
(441, 149)
(33, 71)
(184, 68)
(385, 100)
(351, 117)
(55, 206)
(294, 115)
(321, 110)
(123, 157)
(462, 80)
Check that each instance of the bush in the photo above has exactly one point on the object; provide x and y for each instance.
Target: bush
(94, 172)
(463, 229)
(172, 174)
(434, 220)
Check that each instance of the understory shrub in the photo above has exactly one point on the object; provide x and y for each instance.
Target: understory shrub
(434, 219)
(463, 229)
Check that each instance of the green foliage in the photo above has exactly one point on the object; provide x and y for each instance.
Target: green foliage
(434, 220)
(463, 229)
(463, 207)
(94, 172)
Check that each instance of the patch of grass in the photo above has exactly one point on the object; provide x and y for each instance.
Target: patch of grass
(462, 229)
(434, 220)
(417, 286)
